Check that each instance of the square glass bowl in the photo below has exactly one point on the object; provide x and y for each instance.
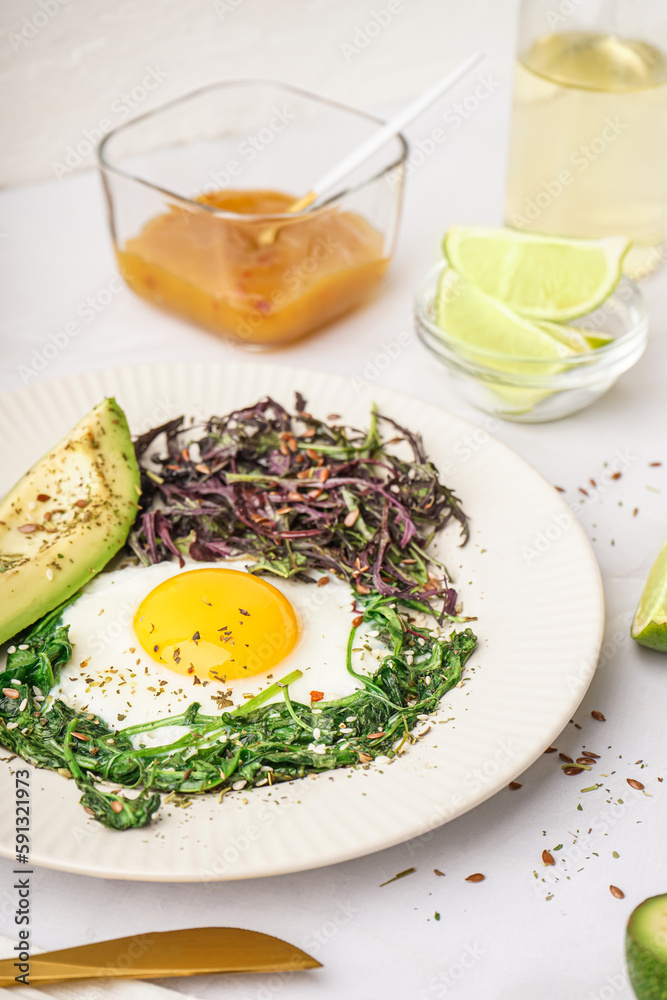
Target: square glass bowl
(531, 390)
(197, 193)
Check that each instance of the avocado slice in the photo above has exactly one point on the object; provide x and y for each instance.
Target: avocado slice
(65, 519)
(646, 948)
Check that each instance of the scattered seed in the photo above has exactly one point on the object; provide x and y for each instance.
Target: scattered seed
(551, 750)
(564, 756)
(83, 503)
(117, 806)
(80, 736)
(589, 753)
(598, 716)
(27, 529)
(513, 785)
(652, 464)
(351, 517)
(365, 758)
(548, 858)
(323, 581)
(571, 771)
(616, 475)
(438, 872)
(635, 784)
(584, 760)
(616, 892)
(477, 877)
(43, 497)
(10, 693)
(357, 620)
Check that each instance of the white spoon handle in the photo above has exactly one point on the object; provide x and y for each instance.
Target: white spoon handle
(391, 128)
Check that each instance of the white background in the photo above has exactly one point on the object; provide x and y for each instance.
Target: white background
(502, 939)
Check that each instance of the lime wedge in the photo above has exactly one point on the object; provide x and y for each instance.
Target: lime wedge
(649, 626)
(483, 323)
(542, 277)
(578, 339)
(519, 347)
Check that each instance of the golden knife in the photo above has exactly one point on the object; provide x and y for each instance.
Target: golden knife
(195, 951)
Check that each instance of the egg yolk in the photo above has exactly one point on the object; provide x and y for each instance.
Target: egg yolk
(216, 624)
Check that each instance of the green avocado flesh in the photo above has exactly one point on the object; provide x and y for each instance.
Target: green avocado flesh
(646, 949)
(65, 519)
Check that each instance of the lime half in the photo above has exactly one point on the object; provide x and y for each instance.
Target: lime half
(649, 626)
(541, 277)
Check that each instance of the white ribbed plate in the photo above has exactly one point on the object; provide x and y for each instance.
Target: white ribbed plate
(528, 572)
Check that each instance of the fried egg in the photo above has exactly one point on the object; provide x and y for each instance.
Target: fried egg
(150, 641)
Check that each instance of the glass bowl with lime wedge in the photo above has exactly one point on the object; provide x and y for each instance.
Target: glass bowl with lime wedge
(531, 328)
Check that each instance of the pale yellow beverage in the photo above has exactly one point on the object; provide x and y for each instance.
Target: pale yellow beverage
(588, 154)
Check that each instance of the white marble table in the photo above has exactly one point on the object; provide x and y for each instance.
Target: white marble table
(527, 931)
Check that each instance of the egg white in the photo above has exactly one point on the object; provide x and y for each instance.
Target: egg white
(111, 675)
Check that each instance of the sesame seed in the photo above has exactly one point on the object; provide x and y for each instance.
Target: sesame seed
(266, 767)
(12, 649)
(316, 734)
(12, 725)
(16, 681)
(373, 634)
(23, 645)
(49, 574)
(23, 705)
(346, 730)
(238, 785)
(343, 746)
(259, 784)
(351, 718)
(320, 748)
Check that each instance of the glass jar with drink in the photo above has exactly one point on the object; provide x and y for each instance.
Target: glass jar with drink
(588, 151)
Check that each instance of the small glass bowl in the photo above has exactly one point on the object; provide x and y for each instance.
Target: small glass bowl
(188, 239)
(532, 390)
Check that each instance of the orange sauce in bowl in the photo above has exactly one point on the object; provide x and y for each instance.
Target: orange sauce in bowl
(215, 271)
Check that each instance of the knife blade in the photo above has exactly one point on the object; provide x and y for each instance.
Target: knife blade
(163, 954)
